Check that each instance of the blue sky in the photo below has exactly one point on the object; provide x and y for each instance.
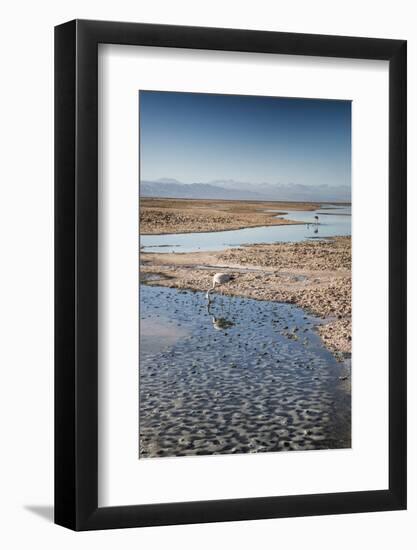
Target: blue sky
(206, 137)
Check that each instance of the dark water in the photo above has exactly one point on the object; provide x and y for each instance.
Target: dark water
(333, 221)
(243, 376)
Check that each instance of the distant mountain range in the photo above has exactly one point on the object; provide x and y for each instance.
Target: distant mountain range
(236, 190)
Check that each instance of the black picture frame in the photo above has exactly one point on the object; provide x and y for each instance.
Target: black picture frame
(76, 273)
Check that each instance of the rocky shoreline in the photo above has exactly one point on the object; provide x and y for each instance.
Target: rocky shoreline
(315, 275)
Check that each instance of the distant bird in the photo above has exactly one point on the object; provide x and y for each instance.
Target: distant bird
(317, 219)
(219, 279)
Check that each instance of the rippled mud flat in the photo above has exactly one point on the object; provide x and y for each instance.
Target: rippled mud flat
(240, 376)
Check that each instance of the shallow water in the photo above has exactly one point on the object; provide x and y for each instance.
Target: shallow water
(242, 376)
(334, 221)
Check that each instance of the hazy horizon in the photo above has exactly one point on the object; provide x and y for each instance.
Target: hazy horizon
(232, 190)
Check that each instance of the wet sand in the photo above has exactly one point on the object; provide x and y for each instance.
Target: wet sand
(240, 375)
(161, 216)
(315, 275)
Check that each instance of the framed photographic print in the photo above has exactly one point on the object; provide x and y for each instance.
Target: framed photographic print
(230, 275)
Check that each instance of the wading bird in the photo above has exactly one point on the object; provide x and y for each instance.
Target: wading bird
(219, 279)
(317, 219)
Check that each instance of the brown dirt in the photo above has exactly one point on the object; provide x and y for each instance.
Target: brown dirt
(159, 216)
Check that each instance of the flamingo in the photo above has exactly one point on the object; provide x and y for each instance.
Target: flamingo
(219, 279)
(317, 219)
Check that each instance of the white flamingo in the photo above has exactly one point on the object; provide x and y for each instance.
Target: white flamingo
(219, 279)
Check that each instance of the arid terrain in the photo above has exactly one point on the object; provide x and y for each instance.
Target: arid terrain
(315, 275)
(158, 216)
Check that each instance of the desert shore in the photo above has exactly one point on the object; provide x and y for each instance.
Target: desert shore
(160, 216)
(315, 275)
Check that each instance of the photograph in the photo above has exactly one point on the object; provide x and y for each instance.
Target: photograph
(245, 274)
(206, 255)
